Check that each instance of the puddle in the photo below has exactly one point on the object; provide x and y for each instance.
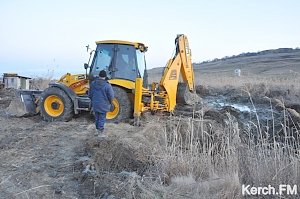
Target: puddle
(242, 108)
(219, 102)
(263, 111)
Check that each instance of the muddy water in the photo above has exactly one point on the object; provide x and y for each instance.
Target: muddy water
(259, 116)
(263, 111)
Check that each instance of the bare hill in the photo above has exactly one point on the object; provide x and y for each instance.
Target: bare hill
(268, 62)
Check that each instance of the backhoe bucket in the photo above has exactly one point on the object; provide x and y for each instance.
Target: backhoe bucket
(185, 96)
(24, 103)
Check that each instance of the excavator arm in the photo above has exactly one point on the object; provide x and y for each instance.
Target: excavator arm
(181, 63)
(164, 95)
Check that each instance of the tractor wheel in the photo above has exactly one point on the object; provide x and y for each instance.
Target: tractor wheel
(123, 107)
(56, 105)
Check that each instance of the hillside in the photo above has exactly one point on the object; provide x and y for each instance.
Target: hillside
(268, 62)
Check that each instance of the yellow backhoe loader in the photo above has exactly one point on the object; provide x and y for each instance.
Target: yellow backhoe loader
(125, 65)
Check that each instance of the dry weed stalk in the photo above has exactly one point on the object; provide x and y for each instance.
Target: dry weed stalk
(273, 154)
(198, 152)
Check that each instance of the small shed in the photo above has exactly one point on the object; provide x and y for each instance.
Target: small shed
(237, 72)
(13, 80)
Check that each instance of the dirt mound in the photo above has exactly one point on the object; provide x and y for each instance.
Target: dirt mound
(126, 149)
(114, 167)
(6, 95)
(112, 156)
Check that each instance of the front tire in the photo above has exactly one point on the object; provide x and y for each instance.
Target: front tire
(56, 105)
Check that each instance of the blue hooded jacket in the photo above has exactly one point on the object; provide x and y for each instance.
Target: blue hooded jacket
(101, 94)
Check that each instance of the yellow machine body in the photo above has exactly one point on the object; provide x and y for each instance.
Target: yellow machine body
(163, 95)
(78, 82)
(70, 92)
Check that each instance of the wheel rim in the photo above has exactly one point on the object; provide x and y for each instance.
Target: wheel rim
(54, 106)
(115, 112)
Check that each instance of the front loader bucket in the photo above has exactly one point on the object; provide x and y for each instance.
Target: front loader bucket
(24, 103)
(185, 96)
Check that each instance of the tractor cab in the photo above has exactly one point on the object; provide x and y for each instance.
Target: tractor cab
(120, 59)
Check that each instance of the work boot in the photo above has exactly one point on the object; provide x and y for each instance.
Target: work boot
(98, 132)
(102, 134)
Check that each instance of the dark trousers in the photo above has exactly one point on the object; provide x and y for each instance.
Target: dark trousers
(100, 119)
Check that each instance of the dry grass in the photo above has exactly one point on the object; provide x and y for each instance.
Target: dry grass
(202, 159)
(198, 159)
(220, 80)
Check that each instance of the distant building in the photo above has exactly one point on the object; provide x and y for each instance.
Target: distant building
(13, 80)
(237, 72)
(1, 83)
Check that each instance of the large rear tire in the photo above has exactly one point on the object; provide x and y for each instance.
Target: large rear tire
(123, 107)
(56, 105)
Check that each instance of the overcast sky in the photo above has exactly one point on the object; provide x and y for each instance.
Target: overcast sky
(40, 38)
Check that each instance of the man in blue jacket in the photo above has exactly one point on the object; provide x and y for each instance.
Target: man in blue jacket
(101, 94)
